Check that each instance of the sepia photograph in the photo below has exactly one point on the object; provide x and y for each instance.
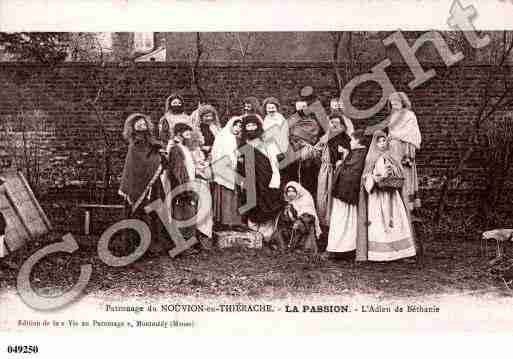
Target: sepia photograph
(162, 180)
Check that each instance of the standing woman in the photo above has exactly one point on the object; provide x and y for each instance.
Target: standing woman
(345, 201)
(389, 234)
(331, 148)
(224, 166)
(276, 129)
(405, 139)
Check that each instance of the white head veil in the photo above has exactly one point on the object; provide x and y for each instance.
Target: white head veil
(224, 156)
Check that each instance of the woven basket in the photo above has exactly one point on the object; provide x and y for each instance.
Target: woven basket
(246, 239)
(391, 183)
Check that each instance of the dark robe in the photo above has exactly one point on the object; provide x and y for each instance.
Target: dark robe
(176, 170)
(140, 172)
(269, 201)
(207, 135)
(184, 205)
(340, 139)
(346, 184)
(140, 178)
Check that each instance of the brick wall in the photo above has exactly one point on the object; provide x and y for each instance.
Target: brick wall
(70, 153)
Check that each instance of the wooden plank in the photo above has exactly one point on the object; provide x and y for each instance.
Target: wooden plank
(113, 206)
(35, 202)
(17, 212)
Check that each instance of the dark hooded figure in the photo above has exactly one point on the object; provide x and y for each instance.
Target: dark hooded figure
(261, 175)
(140, 180)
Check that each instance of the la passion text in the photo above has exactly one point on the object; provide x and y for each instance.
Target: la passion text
(317, 308)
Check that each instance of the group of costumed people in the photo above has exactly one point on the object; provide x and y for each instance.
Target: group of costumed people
(362, 196)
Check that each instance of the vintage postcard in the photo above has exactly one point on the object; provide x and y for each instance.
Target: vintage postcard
(282, 168)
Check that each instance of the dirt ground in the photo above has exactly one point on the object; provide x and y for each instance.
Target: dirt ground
(455, 262)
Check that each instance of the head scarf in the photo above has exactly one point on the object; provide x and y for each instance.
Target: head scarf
(255, 104)
(276, 127)
(375, 154)
(403, 124)
(171, 98)
(209, 130)
(346, 121)
(334, 132)
(224, 155)
(402, 97)
(253, 118)
(128, 128)
(204, 109)
(303, 203)
(338, 138)
(272, 100)
(263, 147)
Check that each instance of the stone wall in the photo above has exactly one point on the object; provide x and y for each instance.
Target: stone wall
(53, 106)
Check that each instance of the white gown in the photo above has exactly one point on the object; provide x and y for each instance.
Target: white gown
(343, 227)
(389, 231)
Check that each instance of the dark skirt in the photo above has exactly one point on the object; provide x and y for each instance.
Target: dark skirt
(159, 238)
(226, 206)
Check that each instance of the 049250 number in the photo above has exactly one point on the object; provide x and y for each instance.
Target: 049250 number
(22, 349)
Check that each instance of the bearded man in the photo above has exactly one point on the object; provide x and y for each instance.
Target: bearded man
(314, 105)
(175, 114)
(182, 170)
(139, 181)
(251, 106)
(261, 176)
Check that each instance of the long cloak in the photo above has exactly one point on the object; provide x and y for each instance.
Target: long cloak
(181, 170)
(269, 201)
(224, 164)
(346, 184)
(141, 170)
(329, 155)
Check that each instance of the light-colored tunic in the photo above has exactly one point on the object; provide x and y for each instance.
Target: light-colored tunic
(389, 230)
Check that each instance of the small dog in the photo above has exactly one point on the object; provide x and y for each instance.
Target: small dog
(303, 234)
(283, 232)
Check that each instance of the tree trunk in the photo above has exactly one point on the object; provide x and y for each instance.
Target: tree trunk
(195, 69)
(337, 38)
